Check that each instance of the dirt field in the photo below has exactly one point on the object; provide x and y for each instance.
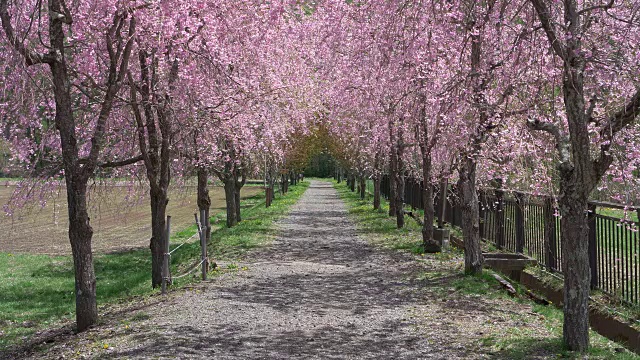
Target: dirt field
(120, 219)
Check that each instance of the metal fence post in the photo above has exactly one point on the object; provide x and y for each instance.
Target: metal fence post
(481, 213)
(550, 234)
(593, 248)
(519, 222)
(499, 230)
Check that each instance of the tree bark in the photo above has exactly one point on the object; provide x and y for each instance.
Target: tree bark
(80, 234)
(400, 181)
(428, 243)
(393, 168)
(473, 259)
(352, 182)
(575, 264)
(230, 198)
(204, 201)
(159, 201)
(363, 187)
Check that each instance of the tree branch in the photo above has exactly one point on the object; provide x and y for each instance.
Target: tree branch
(545, 19)
(606, 6)
(615, 124)
(562, 141)
(31, 57)
(112, 164)
(622, 118)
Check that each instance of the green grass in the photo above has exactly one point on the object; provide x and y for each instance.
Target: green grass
(618, 213)
(37, 291)
(517, 343)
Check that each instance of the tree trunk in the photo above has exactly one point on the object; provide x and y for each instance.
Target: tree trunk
(352, 182)
(393, 186)
(575, 266)
(230, 197)
(473, 259)
(400, 181)
(363, 187)
(159, 201)
(204, 201)
(376, 193)
(428, 243)
(80, 234)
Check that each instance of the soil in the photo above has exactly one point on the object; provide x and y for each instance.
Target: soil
(121, 218)
(320, 291)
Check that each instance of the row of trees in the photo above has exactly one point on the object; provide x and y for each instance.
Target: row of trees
(166, 88)
(540, 94)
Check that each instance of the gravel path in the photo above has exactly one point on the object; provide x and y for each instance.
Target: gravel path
(318, 292)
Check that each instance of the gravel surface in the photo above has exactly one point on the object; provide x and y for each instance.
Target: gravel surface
(318, 292)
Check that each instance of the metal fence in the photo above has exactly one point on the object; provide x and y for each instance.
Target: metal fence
(530, 224)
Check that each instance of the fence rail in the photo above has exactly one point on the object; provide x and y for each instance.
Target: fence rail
(529, 224)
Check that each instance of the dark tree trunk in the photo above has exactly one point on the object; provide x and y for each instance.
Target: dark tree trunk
(352, 182)
(400, 180)
(363, 187)
(204, 201)
(429, 244)
(159, 201)
(230, 197)
(473, 259)
(376, 193)
(80, 234)
(575, 264)
(393, 185)
(156, 120)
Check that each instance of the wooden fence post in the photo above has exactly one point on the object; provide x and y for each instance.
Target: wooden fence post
(593, 248)
(203, 244)
(550, 234)
(165, 263)
(520, 203)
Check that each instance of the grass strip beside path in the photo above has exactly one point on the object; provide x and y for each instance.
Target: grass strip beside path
(539, 336)
(37, 291)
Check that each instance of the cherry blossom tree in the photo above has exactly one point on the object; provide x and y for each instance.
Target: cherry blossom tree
(595, 44)
(86, 48)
